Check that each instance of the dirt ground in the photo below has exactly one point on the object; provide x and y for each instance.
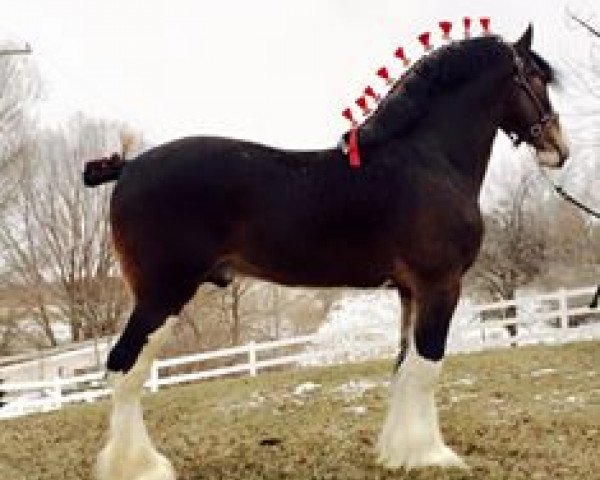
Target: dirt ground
(527, 413)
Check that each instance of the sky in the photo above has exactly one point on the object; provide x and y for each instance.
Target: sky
(274, 71)
(271, 70)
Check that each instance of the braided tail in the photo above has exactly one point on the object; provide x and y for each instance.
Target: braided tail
(97, 172)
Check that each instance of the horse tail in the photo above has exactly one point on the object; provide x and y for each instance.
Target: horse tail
(97, 172)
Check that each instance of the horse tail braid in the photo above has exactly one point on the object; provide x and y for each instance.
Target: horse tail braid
(103, 170)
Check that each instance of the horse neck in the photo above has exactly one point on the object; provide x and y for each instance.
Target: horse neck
(464, 123)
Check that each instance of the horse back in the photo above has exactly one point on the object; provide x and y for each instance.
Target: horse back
(272, 213)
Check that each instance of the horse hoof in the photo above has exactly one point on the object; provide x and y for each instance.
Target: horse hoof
(155, 467)
(439, 456)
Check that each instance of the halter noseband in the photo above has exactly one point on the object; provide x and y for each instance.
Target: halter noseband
(535, 130)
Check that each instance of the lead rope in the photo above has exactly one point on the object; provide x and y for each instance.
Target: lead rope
(568, 197)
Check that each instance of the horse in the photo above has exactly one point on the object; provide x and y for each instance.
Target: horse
(202, 209)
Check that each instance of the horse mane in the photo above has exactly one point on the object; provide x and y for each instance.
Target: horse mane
(544, 67)
(441, 70)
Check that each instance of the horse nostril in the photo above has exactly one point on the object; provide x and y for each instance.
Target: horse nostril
(563, 154)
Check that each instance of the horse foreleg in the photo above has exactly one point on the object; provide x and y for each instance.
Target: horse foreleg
(406, 328)
(129, 453)
(411, 435)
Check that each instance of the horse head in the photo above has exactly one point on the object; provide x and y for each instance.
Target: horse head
(528, 114)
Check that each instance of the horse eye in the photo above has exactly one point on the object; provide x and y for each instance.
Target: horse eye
(538, 81)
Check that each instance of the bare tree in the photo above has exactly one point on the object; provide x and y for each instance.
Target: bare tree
(582, 110)
(20, 88)
(584, 96)
(249, 310)
(514, 248)
(56, 240)
(534, 232)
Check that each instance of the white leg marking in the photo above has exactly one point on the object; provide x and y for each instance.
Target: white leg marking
(129, 453)
(411, 435)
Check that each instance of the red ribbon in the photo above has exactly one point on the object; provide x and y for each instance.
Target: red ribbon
(425, 39)
(385, 74)
(485, 25)
(445, 27)
(467, 24)
(399, 53)
(347, 113)
(372, 93)
(353, 151)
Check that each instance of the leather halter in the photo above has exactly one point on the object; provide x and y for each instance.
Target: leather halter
(535, 130)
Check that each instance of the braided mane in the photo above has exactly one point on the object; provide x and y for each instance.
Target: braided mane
(443, 69)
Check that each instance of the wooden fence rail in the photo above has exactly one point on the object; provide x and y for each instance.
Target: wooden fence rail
(562, 307)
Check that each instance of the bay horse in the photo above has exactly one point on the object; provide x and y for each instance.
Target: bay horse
(199, 210)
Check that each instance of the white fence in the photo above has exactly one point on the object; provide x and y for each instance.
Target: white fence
(44, 396)
(556, 316)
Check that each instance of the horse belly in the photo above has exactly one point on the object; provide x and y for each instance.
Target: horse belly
(300, 263)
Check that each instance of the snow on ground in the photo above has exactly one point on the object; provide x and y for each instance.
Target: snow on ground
(365, 325)
(356, 409)
(543, 372)
(306, 388)
(360, 326)
(356, 388)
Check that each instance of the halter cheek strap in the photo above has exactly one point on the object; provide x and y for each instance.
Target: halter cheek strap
(535, 130)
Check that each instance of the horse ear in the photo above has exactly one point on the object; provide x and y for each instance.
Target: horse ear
(524, 43)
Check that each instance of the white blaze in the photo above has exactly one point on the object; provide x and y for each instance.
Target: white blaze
(556, 147)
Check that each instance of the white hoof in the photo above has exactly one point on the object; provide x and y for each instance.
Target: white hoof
(129, 453)
(409, 457)
(411, 436)
(143, 464)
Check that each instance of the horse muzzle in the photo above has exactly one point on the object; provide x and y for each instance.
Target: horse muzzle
(554, 148)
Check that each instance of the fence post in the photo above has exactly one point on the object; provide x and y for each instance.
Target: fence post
(154, 377)
(252, 358)
(482, 337)
(20, 408)
(57, 391)
(563, 309)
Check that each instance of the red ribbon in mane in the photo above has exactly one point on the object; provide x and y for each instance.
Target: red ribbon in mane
(353, 151)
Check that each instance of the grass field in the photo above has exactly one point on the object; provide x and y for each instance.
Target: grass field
(528, 413)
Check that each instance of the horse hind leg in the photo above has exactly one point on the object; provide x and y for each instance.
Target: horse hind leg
(159, 297)
(411, 436)
(145, 319)
(129, 453)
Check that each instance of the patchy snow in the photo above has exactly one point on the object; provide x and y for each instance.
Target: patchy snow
(464, 382)
(355, 389)
(256, 399)
(365, 325)
(360, 326)
(463, 396)
(306, 388)
(356, 410)
(543, 372)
